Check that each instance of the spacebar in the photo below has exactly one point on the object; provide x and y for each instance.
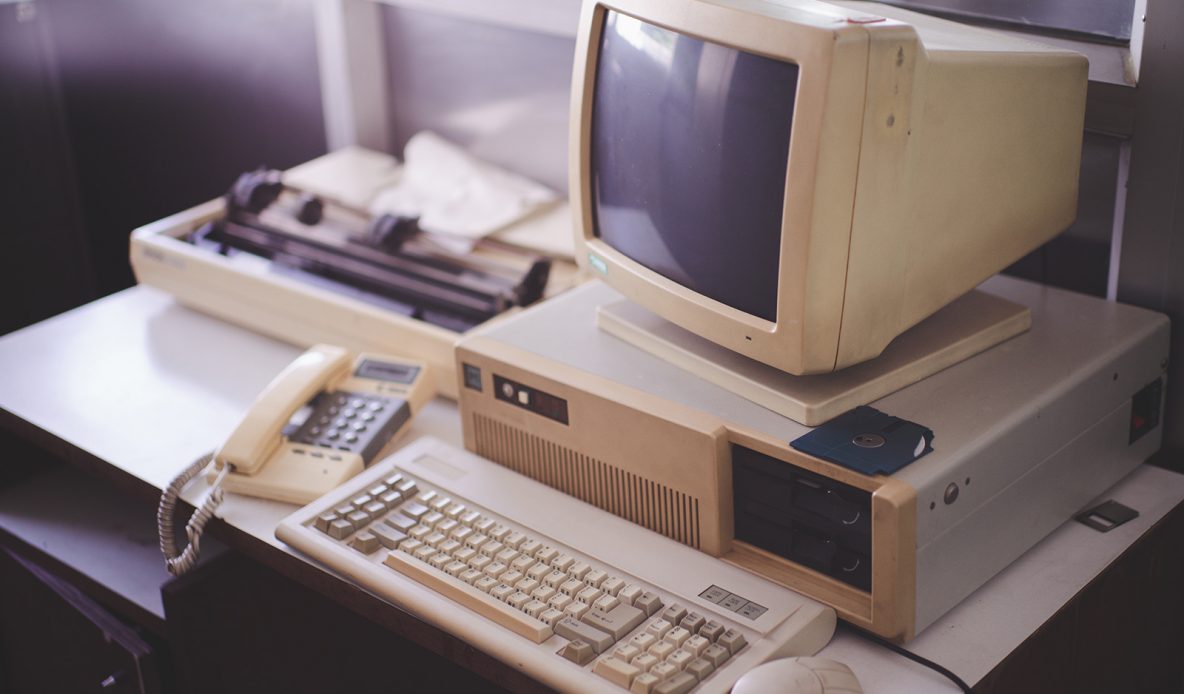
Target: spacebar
(464, 594)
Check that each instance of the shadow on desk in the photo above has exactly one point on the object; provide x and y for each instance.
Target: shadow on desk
(237, 626)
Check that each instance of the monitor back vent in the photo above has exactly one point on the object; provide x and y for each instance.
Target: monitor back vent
(642, 501)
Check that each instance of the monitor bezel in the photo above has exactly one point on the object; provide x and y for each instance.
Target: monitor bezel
(831, 53)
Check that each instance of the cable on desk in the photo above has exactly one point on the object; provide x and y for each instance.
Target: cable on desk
(179, 562)
(912, 656)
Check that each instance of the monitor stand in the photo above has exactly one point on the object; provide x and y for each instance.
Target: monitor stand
(972, 324)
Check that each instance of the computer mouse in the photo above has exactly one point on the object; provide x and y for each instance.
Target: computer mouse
(799, 676)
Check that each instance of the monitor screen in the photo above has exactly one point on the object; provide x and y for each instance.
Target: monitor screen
(689, 149)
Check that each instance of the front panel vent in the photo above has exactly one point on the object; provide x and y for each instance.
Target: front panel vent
(634, 498)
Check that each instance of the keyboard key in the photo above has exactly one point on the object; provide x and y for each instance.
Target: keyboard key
(588, 595)
(645, 662)
(629, 594)
(680, 659)
(644, 683)
(495, 569)
(716, 655)
(465, 554)
(661, 649)
(679, 683)
(578, 651)
(390, 499)
(410, 545)
(469, 517)
(595, 577)
(618, 621)
(534, 607)
(576, 609)
(499, 532)
(432, 518)
(544, 593)
(530, 546)
(456, 568)
(674, 613)
(546, 554)
(481, 562)
(700, 668)
(322, 522)
(512, 577)
(485, 583)
(388, 536)
(571, 587)
(471, 576)
(616, 671)
(476, 541)
(358, 518)
(664, 671)
(407, 488)
(447, 525)
(502, 591)
(393, 480)
(551, 616)
(523, 562)
(732, 640)
(563, 562)
(643, 641)
(538, 571)
(449, 546)
(365, 542)
(340, 528)
(414, 510)
(658, 627)
(579, 570)
(518, 599)
(361, 501)
(696, 645)
(612, 585)
(555, 579)
(461, 533)
(693, 622)
(605, 603)
(649, 602)
(439, 560)
(711, 630)
(559, 601)
(424, 552)
(526, 585)
(572, 629)
(514, 540)
(677, 636)
(626, 652)
(454, 511)
(400, 522)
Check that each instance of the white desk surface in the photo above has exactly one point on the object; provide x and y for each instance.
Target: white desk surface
(147, 385)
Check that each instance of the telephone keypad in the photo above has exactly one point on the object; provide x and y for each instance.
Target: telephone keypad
(354, 422)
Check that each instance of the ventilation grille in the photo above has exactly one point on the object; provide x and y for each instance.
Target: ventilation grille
(642, 501)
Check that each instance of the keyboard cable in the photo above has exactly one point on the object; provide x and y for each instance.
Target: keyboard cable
(179, 562)
(896, 648)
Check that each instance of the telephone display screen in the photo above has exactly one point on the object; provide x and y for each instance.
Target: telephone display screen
(386, 371)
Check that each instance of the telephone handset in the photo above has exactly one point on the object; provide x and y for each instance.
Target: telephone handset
(317, 424)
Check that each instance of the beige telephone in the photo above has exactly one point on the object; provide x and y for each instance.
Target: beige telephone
(317, 424)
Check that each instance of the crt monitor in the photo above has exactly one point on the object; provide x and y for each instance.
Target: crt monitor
(801, 181)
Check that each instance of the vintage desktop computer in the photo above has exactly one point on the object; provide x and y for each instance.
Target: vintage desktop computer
(796, 358)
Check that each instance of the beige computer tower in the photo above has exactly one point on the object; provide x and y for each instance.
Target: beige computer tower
(1027, 433)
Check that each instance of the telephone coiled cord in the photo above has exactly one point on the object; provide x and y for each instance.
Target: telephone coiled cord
(179, 562)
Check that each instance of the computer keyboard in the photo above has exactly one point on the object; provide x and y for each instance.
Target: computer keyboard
(578, 598)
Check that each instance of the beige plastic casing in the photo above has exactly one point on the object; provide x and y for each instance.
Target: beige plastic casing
(925, 156)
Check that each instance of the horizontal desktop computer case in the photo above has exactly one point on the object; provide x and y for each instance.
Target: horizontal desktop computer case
(1026, 434)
